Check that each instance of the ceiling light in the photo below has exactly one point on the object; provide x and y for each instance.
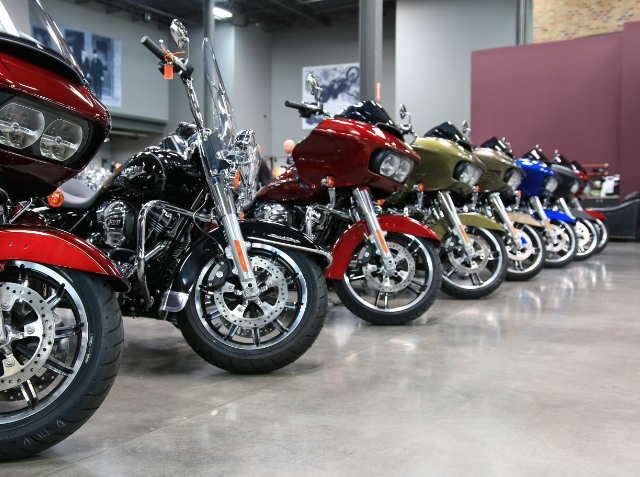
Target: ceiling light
(221, 14)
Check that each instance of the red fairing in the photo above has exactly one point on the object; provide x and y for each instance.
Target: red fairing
(585, 179)
(343, 250)
(56, 247)
(595, 215)
(288, 187)
(342, 148)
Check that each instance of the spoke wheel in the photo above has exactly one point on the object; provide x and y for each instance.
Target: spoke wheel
(55, 370)
(473, 277)
(561, 245)
(381, 298)
(527, 260)
(587, 237)
(261, 335)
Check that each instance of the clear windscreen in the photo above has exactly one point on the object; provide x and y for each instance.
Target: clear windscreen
(28, 22)
(223, 124)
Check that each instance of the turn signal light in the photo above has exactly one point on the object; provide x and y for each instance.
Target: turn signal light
(380, 201)
(237, 179)
(421, 187)
(331, 181)
(56, 199)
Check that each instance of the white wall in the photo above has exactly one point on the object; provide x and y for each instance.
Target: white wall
(434, 40)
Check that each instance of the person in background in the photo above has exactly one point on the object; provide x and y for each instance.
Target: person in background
(97, 74)
(288, 145)
(264, 174)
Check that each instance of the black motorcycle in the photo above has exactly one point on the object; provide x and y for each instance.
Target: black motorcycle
(248, 296)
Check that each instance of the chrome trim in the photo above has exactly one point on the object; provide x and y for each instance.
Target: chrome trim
(496, 200)
(537, 206)
(456, 225)
(173, 301)
(363, 200)
(324, 253)
(22, 211)
(565, 208)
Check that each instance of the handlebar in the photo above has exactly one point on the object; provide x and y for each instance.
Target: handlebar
(306, 109)
(152, 47)
(298, 106)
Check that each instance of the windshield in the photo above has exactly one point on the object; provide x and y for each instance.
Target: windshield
(372, 113)
(450, 132)
(223, 123)
(19, 17)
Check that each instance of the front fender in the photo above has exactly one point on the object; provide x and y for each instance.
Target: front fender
(56, 247)
(595, 214)
(352, 237)
(556, 215)
(520, 218)
(582, 214)
(470, 219)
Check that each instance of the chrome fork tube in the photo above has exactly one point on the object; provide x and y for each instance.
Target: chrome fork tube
(456, 225)
(565, 207)
(537, 206)
(237, 247)
(496, 200)
(366, 208)
(576, 203)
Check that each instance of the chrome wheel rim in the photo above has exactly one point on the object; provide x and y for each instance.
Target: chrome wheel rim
(523, 263)
(562, 244)
(278, 314)
(414, 264)
(586, 237)
(51, 373)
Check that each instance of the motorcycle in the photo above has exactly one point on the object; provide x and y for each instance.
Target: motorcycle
(473, 255)
(523, 239)
(61, 331)
(248, 296)
(541, 181)
(386, 269)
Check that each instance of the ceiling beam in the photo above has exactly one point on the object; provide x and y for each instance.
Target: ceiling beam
(303, 11)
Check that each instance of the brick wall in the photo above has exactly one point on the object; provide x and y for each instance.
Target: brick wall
(564, 19)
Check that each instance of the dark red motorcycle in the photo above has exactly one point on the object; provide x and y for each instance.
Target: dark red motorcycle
(385, 269)
(60, 328)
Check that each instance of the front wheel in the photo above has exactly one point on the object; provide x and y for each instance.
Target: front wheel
(587, 237)
(474, 277)
(603, 235)
(60, 350)
(370, 293)
(265, 334)
(526, 261)
(561, 244)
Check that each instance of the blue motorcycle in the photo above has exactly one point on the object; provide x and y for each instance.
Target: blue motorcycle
(540, 182)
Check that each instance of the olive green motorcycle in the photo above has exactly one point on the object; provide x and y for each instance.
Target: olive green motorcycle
(473, 255)
(523, 237)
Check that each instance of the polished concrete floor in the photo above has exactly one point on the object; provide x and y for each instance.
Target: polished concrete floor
(541, 378)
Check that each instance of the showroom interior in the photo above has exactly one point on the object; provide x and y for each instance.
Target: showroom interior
(319, 237)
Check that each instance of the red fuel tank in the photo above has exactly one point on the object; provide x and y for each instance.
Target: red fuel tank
(289, 187)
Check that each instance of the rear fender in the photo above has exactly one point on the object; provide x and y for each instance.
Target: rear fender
(595, 214)
(520, 218)
(57, 247)
(470, 219)
(556, 215)
(352, 237)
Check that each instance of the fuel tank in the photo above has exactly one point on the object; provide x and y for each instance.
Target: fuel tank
(163, 175)
(343, 148)
(500, 168)
(289, 187)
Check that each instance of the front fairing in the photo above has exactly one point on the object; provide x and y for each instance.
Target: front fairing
(497, 165)
(535, 171)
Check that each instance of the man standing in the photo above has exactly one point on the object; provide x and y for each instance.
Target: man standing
(288, 145)
(97, 74)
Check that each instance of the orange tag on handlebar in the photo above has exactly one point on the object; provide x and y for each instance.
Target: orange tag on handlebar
(168, 71)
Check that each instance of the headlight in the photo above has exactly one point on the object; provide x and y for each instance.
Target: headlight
(575, 185)
(467, 173)
(587, 188)
(550, 183)
(20, 126)
(41, 131)
(391, 165)
(513, 178)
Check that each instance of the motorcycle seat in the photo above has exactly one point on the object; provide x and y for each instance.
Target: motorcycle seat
(78, 195)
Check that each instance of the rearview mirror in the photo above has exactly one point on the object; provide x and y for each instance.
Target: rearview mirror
(466, 130)
(179, 34)
(403, 110)
(313, 86)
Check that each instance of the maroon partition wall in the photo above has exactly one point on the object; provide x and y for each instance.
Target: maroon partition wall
(579, 96)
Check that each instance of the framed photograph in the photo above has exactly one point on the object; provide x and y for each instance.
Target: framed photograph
(340, 88)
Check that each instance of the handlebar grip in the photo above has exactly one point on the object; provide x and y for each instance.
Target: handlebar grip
(290, 104)
(152, 47)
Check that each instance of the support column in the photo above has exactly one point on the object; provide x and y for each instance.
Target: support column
(521, 23)
(370, 50)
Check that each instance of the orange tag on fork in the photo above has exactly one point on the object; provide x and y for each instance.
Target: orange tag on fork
(168, 71)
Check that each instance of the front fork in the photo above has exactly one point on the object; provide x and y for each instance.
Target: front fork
(458, 229)
(537, 206)
(237, 248)
(565, 208)
(363, 200)
(498, 205)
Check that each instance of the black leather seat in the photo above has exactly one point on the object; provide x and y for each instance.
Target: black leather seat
(77, 195)
(622, 220)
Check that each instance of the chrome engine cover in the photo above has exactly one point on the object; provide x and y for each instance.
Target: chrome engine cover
(118, 220)
(274, 211)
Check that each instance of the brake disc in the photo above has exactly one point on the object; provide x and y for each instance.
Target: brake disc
(583, 234)
(561, 240)
(18, 370)
(480, 258)
(524, 248)
(374, 274)
(275, 279)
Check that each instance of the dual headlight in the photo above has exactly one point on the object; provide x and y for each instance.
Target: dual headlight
(513, 178)
(41, 131)
(467, 173)
(575, 185)
(586, 190)
(550, 183)
(389, 164)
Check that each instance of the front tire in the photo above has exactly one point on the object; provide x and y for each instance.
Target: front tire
(525, 266)
(603, 235)
(587, 239)
(68, 372)
(257, 343)
(562, 250)
(396, 300)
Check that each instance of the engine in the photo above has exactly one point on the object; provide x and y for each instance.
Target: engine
(274, 211)
(118, 221)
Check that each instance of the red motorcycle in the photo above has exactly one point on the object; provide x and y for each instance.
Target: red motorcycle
(385, 269)
(60, 328)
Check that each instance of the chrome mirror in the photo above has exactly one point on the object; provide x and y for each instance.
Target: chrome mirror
(466, 130)
(403, 111)
(313, 86)
(180, 35)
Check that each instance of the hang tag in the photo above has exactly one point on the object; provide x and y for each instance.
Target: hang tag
(168, 71)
